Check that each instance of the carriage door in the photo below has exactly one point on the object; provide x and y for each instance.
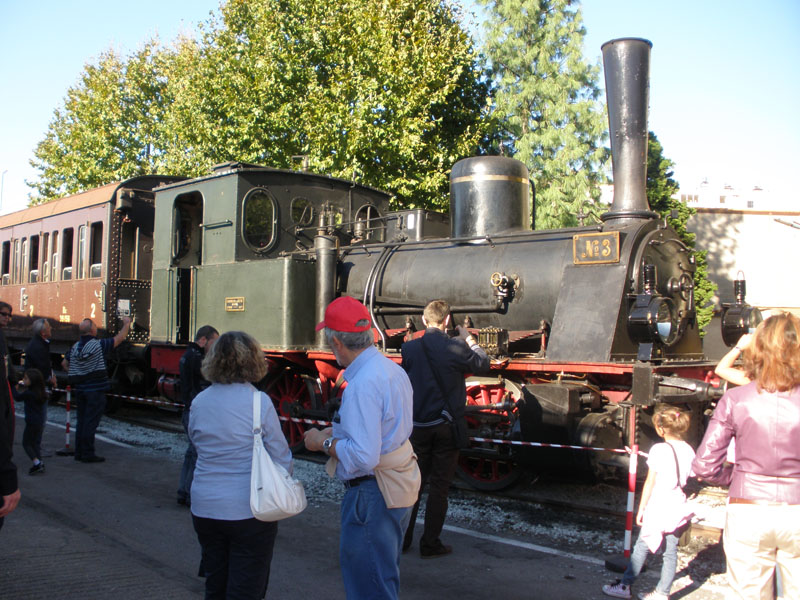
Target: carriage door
(186, 257)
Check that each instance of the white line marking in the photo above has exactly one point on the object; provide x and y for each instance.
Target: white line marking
(526, 545)
(97, 436)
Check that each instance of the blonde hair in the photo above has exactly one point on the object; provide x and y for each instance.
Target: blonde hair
(773, 357)
(235, 357)
(436, 312)
(672, 419)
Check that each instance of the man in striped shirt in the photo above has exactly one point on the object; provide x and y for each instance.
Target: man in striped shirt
(86, 367)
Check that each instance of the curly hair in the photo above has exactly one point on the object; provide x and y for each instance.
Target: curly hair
(672, 419)
(235, 357)
(773, 357)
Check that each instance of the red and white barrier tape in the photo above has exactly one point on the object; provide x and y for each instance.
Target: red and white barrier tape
(137, 399)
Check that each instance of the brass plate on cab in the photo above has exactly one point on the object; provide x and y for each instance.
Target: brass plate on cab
(234, 304)
(595, 248)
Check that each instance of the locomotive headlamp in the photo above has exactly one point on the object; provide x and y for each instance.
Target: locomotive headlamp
(738, 318)
(652, 319)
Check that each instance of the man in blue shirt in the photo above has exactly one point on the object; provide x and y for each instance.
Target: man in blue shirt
(374, 420)
(86, 367)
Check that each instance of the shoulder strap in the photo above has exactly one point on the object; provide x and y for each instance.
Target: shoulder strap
(677, 466)
(256, 412)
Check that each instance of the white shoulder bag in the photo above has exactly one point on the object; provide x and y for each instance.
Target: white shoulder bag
(274, 494)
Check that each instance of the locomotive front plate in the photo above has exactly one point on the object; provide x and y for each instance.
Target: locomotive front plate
(595, 248)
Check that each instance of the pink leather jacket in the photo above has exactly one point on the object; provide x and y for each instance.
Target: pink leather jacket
(766, 427)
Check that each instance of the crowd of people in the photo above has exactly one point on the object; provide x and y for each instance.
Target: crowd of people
(398, 431)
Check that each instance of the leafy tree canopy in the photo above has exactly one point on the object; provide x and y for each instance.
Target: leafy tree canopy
(384, 91)
(546, 100)
(107, 129)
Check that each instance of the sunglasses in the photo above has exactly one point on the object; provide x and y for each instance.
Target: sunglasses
(5, 314)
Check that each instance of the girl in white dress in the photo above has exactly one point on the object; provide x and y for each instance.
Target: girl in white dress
(663, 510)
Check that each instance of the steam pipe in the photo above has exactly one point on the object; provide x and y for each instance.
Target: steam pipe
(627, 69)
(327, 254)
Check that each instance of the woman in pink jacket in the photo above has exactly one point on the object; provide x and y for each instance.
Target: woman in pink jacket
(763, 516)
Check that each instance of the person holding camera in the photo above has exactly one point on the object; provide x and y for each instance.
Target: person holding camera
(436, 365)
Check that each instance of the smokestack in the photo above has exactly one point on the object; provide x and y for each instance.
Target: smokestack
(627, 70)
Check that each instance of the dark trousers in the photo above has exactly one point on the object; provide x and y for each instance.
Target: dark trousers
(32, 440)
(189, 461)
(437, 456)
(236, 557)
(90, 410)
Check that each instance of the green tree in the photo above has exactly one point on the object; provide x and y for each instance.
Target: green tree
(384, 91)
(388, 92)
(546, 102)
(107, 129)
(660, 191)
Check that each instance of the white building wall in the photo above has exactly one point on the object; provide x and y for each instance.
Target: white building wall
(763, 245)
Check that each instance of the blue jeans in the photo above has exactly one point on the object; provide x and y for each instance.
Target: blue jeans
(370, 543)
(90, 410)
(189, 461)
(669, 562)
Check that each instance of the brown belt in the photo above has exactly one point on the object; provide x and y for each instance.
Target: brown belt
(759, 502)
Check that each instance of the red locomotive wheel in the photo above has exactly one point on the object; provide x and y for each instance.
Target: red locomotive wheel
(290, 394)
(488, 465)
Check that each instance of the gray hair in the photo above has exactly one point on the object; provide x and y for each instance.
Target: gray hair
(352, 340)
(39, 325)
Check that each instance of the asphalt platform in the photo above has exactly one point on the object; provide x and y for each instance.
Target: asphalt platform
(114, 530)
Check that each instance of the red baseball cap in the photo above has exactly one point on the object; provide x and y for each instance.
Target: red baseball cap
(343, 313)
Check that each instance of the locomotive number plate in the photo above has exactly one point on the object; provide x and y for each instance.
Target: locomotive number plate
(595, 248)
(234, 304)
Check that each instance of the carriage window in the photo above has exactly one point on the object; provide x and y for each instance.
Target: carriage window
(23, 262)
(5, 263)
(33, 261)
(96, 250)
(81, 251)
(259, 220)
(54, 257)
(45, 272)
(66, 253)
(302, 211)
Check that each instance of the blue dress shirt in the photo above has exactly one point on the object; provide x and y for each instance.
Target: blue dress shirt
(376, 413)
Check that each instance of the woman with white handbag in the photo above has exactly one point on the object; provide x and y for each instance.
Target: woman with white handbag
(236, 547)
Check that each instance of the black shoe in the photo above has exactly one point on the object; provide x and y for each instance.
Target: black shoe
(36, 469)
(436, 551)
(92, 459)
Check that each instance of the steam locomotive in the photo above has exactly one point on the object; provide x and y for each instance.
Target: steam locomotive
(584, 325)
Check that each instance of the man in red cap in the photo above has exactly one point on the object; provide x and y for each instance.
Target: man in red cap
(370, 452)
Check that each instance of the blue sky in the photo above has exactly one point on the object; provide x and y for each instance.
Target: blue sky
(724, 91)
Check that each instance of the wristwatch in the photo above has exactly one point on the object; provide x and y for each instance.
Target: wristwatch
(326, 446)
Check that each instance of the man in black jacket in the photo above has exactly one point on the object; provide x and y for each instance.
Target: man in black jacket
(191, 384)
(9, 491)
(436, 365)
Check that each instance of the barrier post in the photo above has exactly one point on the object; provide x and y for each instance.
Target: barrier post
(67, 451)
(616, 562)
